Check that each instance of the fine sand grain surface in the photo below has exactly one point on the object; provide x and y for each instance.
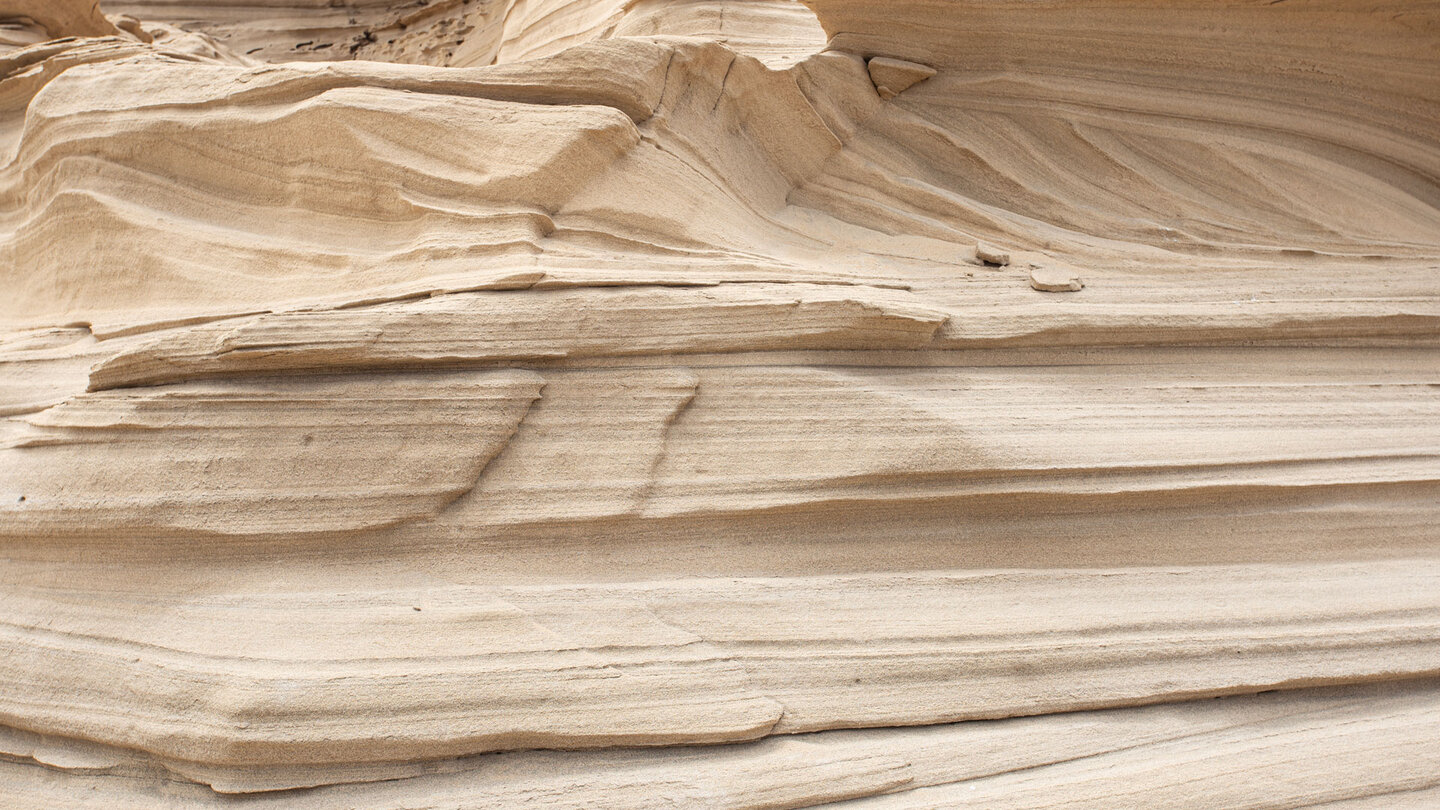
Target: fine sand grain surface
(440, 404)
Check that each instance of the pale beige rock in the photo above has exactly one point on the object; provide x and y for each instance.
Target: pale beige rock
(1046, 278)
(894, 76)
(59, 18)
(990, 255)
(487, 403)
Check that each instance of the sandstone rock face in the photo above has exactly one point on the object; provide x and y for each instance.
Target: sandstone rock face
(527, 403)
(894, 76)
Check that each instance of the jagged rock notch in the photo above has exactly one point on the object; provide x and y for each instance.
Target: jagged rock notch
(894, 76)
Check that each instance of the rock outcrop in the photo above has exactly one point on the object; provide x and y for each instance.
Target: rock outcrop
(499, 403)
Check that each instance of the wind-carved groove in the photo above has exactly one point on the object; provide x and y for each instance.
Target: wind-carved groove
(490, 461)
(662, 452)
(724, 82)
(664, 84)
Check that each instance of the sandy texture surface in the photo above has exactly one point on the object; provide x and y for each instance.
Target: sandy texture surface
(719, 403)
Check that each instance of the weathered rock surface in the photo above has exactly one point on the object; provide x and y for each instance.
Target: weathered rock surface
(498, 403)
(1055, 279)
(894, 76)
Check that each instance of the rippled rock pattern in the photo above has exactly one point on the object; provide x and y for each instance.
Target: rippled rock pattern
(719, 403)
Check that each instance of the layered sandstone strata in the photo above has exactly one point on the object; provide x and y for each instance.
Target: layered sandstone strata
(719, 403)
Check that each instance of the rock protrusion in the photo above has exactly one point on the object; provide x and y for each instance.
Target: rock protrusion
(61, 18)
(131, 26)
(990, 255)
(894, 76)
(1055, 279)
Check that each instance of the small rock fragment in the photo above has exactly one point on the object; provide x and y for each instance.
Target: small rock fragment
(990, 255)
(894, 76)
(1055, 279)
(131, 26)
